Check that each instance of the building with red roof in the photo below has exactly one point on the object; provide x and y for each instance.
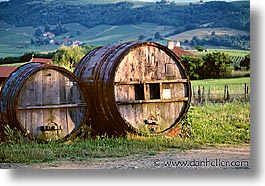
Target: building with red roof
(175, 47)
(41, 60)
(5, 71)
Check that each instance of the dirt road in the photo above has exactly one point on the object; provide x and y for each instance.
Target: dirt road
(222, 157)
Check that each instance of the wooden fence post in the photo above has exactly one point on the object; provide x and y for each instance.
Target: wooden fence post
(199, 95)
(203, 95)
(246, 91)
(209, 94)
(227, 93)
(214, 93)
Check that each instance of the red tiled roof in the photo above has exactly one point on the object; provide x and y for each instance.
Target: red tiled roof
(180, 52)
(41, 60)
(5, 71)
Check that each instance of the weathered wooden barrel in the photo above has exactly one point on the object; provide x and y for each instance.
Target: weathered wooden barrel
(135, 86)
(44, 101)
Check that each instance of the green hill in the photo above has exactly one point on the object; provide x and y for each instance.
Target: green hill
(106, 21)
(204, 32)
(15, 41)
(186, 17)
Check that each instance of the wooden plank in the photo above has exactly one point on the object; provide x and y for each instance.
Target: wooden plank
(62, 100)
(52, 106)
(153, 81)
(152, 101)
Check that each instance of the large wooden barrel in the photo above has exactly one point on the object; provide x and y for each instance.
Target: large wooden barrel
(44, 101)
(135, 86)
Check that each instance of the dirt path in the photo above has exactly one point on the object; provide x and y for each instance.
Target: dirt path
(224, 157)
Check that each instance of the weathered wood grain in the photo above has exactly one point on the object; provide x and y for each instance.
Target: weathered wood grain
(150, 65)
(134, 86)
(45, 96)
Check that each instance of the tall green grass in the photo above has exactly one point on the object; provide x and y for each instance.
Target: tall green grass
(208, 125)
(221, 123)
(88, 150)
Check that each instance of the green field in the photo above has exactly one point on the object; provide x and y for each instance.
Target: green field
(15, 41)
(220, 82)
(206, 125)
(236, 56)
(206, 128)
(230, 52)
(217, 86)
(220, 90)
(204, 32)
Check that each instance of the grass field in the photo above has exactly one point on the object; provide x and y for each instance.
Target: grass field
(207, 128)
(203, 32)
(15, 41)
(206, 125)
(105, 34)
(220, 90)
(220, 82)
(228, 123)
(230, 52)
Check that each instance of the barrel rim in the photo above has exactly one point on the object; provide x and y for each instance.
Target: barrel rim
(41, 67)
(106, 79)
(172, 54)
(11, 85)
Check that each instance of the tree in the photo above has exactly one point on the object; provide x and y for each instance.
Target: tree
(38, 32)
(157, 35)
(78, 33)
(32, 41)
(246, 62)
(192, 65)
(199, 48)
(141, 37)
(88, 48)
(68, 57)
(47, 28)
(216, 64)
(58, 30)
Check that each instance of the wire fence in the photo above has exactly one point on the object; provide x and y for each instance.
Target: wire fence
(215, 94)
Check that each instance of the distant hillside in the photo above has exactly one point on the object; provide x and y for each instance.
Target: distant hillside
(38, 25)
(214, 38)
(15, 41)
(186, 17)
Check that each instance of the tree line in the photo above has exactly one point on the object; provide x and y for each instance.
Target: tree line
(184, 17)
(210, 66)
(66, 57)
(241, 42)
